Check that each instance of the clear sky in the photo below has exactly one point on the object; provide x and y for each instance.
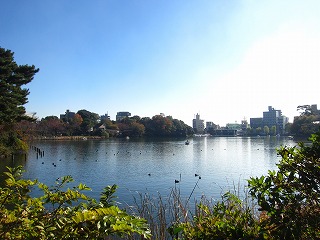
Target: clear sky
(223, 59)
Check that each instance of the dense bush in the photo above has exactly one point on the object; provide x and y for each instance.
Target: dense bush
(290, 197)
(229, 218)
(61, 212)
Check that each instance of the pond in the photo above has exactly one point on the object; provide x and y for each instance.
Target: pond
(207, 166)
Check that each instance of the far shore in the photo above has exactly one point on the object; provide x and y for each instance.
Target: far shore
(68, 138)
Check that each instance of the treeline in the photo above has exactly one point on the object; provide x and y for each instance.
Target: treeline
(307, 123)
(86, 123)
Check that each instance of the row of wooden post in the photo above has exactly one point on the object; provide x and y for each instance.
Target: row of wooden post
(39, 152)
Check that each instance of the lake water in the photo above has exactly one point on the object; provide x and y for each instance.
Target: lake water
(152, 166)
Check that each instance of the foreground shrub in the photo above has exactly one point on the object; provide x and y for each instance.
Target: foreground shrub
(290, 197)
(61, 214)
(229, 218)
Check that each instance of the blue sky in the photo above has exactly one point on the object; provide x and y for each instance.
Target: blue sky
(223, 59)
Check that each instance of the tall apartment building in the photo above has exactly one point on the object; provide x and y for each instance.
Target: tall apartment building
(198, 124)
(275, 118)
(270, 118)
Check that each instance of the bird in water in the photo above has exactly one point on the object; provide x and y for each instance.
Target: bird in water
(197, 175)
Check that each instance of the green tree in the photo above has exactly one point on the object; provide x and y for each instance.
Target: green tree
(130, 127)
(12, 100)
(75, 123)
(61, 212)
(110, 124)
(12, 79)
(165, 127)
(180, 129)
(249, 131)
(305, 110)
(289, 198)
(161, 126)
(273, 130)
(90, 119)
(136, 118)
(287, 128)
(266, 130)
(258, 130)
(305, 125)
(137, 129)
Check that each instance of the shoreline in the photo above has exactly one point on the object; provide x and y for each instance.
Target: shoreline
(83, 138)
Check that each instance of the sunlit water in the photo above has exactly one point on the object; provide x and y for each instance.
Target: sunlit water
(152, 166)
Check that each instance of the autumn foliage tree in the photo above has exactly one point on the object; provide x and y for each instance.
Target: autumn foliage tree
(51, 126)
(163, 126)
(74, 125)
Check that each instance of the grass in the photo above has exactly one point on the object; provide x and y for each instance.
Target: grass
(168, 216)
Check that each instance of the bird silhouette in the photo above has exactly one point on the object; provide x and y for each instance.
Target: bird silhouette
(197, 175)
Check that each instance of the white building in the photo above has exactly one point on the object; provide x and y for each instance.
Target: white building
(198, 124)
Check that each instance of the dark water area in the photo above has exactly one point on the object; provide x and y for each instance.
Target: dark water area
(153, 166)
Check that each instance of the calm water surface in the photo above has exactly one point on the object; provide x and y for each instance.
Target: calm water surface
(152, 166)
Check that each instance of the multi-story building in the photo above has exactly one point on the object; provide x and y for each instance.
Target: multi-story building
(210, 125)
(314, 109)
(198, 124)
(275, 118)
(122, 115)
(283, 120)
(256, 122)
(270, 118)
